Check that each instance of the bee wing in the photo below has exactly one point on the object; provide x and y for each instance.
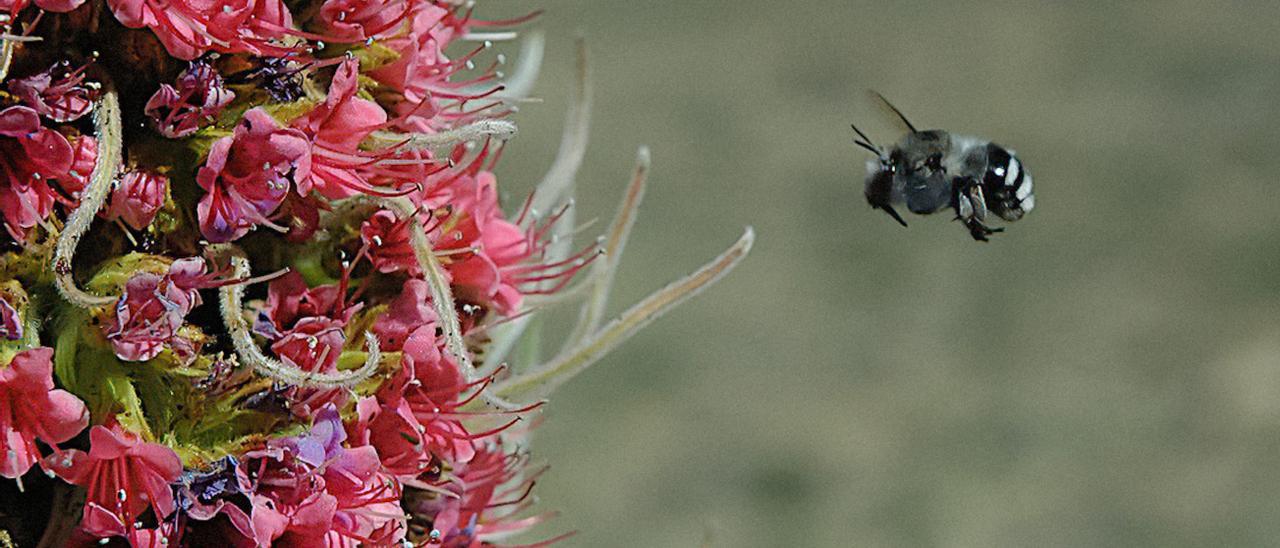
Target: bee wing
(964, 207)
(979, 202)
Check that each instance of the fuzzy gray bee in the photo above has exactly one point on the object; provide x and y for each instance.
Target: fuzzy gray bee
(933, 170)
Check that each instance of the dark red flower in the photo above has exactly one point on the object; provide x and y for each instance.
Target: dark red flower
(197, 99)
(387, 240)
(10, 321)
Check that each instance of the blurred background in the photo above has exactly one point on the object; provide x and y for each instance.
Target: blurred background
(1107, 372)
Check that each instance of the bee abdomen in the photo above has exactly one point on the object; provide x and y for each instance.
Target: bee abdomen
(1007, 185)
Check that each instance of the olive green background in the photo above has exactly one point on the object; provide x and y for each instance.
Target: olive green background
(1107, 372)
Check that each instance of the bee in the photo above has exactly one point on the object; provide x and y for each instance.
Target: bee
(933, 170)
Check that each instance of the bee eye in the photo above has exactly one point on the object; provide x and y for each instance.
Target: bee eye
(934, 162)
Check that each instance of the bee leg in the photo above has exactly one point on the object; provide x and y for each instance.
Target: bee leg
(971, 208)
(892, 213)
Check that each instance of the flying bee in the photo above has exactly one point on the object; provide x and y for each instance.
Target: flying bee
(932, 170)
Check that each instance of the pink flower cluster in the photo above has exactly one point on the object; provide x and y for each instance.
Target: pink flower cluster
(291, 134)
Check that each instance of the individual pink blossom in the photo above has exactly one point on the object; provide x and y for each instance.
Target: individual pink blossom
(10, 321)
(340, 168)
(31, 408)
(123, 474)
(420, 48)
(413, 421)
(491, 274)
(306, 327)
(137, 198)
(434, 98)
(439, 92)
(484, 505)
(62, 100)
(248, 175)
(189, 29)
(30, 157)
(387, 240)
(358, 20)
(57, 6)
(84, 153)
(289, 300)
(408, 312)
(197, 99)
(313, 344)
(152, 309)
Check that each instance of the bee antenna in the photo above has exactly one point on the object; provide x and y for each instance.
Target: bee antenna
(866, 142)
(895, 111)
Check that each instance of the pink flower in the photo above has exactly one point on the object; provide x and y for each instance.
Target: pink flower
(490, 275)
(10, 321)
(198, 98)
(306, 327)
(188, 29)
(409, 311)
(312, 345)
(289, 300)
(124, 476)
(336, 127)
(248, 175)
(427, 387)
(494, 262)
(357, 20)
(420, 52)
(138, 198)
(387, 239)
(84, 152)
(30, 408)
(62, 100)
(435, 98)
(480, 511)
(313, 491)
(153, 308)
(57, 6)
(30, 155)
